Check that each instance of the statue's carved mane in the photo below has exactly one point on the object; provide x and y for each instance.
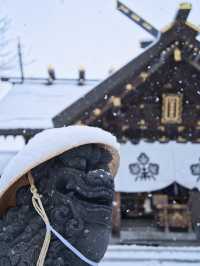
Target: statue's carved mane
(75, 187)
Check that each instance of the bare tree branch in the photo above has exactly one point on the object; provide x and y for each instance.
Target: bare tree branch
(8, 53)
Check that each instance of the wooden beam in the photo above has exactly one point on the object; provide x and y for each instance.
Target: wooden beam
(183, 12)
(116, 215)
(137, 19)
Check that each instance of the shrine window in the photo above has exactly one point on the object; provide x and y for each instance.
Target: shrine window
(172, 109)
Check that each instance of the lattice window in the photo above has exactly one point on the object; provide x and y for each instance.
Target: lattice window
(172, 109)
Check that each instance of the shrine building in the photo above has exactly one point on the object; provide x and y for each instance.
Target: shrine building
(152, 106)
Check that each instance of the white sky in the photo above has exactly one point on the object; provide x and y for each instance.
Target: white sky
(92, 33)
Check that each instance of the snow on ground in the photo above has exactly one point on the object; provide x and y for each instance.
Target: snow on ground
(148, 263)
(151, 256)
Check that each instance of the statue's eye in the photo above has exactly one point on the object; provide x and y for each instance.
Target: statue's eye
(66, 179)
(78, 163)
(73, 162)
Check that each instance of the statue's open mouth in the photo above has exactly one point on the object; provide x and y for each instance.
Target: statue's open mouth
(91, 191)
(103, 197)
(97, 192)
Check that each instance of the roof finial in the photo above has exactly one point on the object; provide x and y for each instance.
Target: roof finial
(185, 5)
(51, 72)
(183, 12)
(81, 78)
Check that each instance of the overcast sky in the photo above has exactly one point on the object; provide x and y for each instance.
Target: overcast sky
(91, 33)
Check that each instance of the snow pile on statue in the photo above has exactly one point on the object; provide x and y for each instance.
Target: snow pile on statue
(77, 191)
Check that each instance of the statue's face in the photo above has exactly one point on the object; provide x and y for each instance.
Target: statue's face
(78, 191)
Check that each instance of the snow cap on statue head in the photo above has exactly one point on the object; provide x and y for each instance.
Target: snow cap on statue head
(47, 145)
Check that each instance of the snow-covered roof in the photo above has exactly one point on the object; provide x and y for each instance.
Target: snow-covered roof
(4, 89)
(9, 147)
(34, 104)
(5, 157)
(149, 167)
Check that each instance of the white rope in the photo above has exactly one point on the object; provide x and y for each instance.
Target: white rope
(38, 206)
(72, 248)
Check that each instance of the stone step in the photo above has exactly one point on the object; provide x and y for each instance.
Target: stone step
(157, 238)
(151, 256)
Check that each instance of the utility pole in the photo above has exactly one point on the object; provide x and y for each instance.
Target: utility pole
(21, 66)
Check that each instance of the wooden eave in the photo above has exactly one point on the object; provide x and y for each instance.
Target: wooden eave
(115, 84)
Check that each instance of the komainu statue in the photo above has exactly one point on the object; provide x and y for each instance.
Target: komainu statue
(56, 199)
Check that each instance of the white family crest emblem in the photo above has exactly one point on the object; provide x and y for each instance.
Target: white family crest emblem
(144, 169)
(195, 170)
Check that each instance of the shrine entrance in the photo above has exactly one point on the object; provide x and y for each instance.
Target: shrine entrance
(167, 208)
(162, 217)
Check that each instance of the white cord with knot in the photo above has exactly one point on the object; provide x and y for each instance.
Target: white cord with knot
(38, 206)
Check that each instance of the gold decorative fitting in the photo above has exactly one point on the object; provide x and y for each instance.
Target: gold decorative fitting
(81, 68)
(198, 123)
(141, 106)
(129, 87)
(181, 139)
(142, 124)
(177, 55)
(124, 139)
(123, 8)
(163, 139)
(144, 75)
(161, 128)
(51, 73)
(181, 128)
(97, 111)
(172, 108)
(185, 5)
(116, 101)
(125, 127)
(147, 26)
(135, 17)
(79, 122)
(50, 67)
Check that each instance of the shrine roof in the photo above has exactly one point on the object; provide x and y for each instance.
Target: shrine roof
(180, 36)
(33, 103)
